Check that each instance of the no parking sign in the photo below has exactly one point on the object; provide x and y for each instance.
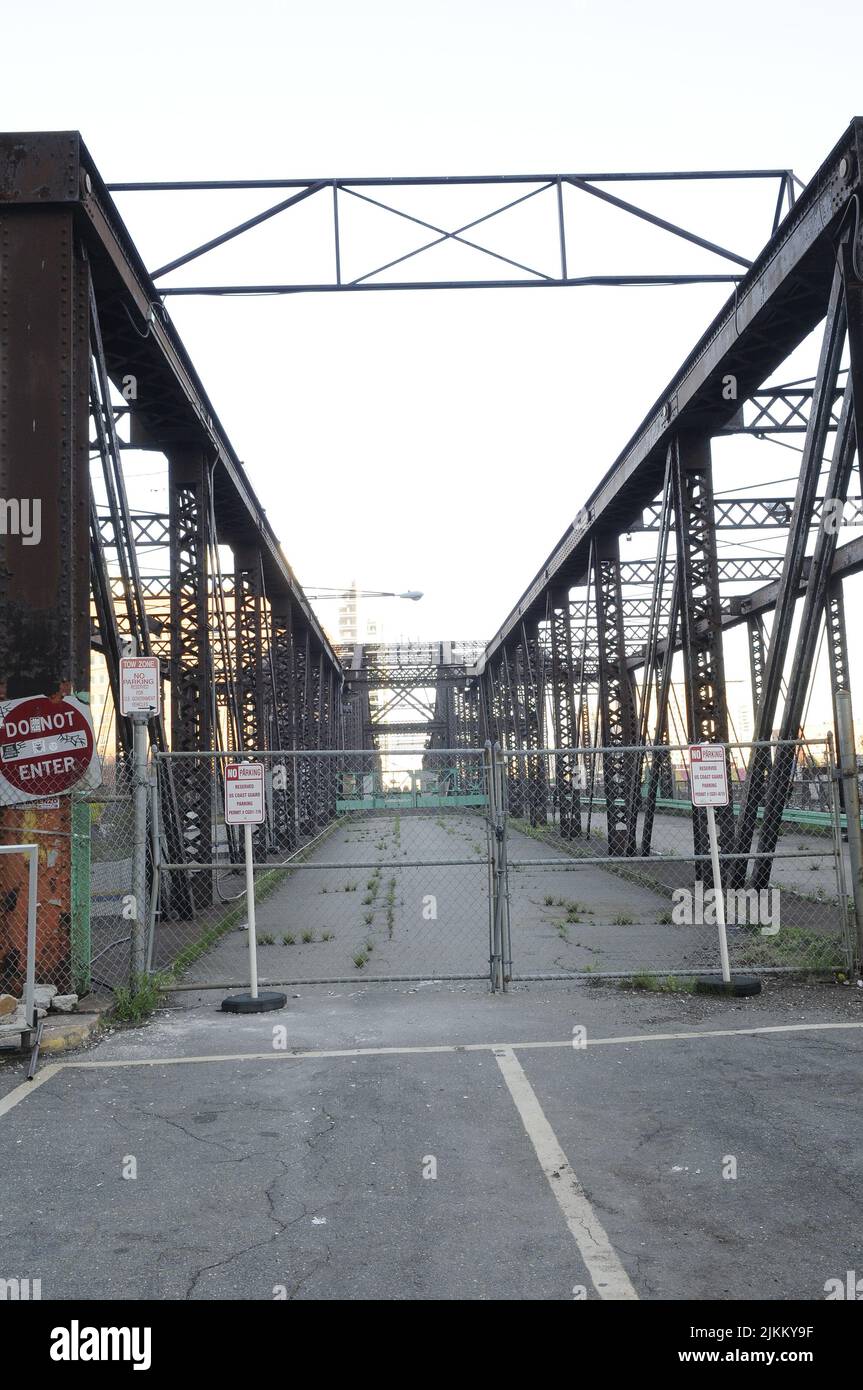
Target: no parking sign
(244, 794)
(708, 774)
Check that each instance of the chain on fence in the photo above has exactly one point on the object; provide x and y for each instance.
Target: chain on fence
(609, 865)
(366, 866)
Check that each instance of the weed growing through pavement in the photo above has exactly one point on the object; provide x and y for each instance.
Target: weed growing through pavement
(134, 1003)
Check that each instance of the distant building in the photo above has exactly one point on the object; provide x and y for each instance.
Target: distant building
(349, 610)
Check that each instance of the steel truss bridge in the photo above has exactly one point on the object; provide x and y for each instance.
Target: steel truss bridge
(247, 662)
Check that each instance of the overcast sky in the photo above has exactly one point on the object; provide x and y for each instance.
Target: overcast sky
(437, 440)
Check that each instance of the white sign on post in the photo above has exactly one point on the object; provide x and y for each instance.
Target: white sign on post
(708, 785)
(708, 774)
(140, 685)
(244, 805)
(244, 794)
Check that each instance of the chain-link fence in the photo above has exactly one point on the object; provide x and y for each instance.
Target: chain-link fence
(418, 866)
(609, 868)
(85, 843)
(367, 866)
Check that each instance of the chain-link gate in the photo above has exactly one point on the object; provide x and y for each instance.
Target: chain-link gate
(608, 865)
(422, 866)
(368, 867)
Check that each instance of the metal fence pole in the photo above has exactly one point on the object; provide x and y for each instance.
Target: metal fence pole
(140, 783)
(495, 957)
(32, 853)
(156, 857)
(488, 763)
(848, 774)
(505, 936)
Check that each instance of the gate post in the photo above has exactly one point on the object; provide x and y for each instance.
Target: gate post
(493, 762)
(503, 880)
(500, 952)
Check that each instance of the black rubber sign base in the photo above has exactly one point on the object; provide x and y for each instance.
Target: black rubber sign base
(245, 1004)
(739, 985)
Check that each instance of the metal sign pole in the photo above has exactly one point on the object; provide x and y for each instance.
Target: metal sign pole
(140, 749)
(245, 805)
(720, 896)
(250, 909)
(708, 782)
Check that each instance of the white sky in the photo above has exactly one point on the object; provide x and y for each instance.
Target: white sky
(437, 440)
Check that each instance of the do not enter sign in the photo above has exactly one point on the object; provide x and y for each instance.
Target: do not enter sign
(46, 747)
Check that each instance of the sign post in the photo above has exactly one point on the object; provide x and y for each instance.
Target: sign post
(708, 781)
(245, 805)
(140, 701)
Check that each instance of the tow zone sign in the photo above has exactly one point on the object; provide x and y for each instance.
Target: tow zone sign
(46, 747)
(140, 685)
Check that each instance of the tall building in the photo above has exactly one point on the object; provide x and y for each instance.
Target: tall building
(349, 611)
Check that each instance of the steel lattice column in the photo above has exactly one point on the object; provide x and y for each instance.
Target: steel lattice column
(563, 708)
(837, 644)
(249, 679)
(304, 725)
(816, 598)
(488, 707)
(282, 647)
(191, 660)
(514, 724)
(660, 777)
(837, 639)
(249, 624)
(319, 720)
(534, 721)
(616, 700)
(700, 617)
(757, 655)
(824, 391)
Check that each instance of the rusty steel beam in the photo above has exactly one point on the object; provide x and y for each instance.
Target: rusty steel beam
(44, 575)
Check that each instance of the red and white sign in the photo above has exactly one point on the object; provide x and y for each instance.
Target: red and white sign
(244, 794)
(46, 747)
(708, 775)
(140, 685)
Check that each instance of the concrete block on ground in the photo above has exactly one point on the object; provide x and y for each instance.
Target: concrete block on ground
(63, 1032)
(64, 1003)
